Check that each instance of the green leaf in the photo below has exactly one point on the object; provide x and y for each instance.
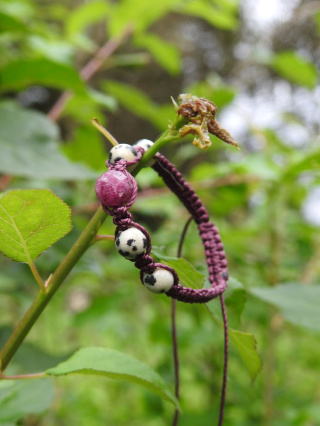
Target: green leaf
(245, 343)
(295, 68)
(188, 275)
(24, 73)
(140, 13)
(77, 150)
(115, 365)
(166, 54)
(298, 303)
(219, 14)
(139, 103)
(11, 24)
(27, 397)
(300, 163)
(30, 222)
(28, 146)
(53, 50)
(236, 299)
(246, 346)
(85, 15)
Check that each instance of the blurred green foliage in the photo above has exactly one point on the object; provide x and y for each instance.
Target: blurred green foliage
(258, 197)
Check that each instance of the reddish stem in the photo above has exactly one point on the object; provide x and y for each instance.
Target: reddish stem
(90, 69)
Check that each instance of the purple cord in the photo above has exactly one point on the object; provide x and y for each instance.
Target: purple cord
(119, 201)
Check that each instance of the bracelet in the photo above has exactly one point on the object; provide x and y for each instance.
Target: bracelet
(117, 189)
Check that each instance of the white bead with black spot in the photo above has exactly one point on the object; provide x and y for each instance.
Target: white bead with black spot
(145, 144)
(122, 151)
(131, 243)
(160, 281)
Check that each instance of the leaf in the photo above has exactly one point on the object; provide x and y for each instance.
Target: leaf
(219, 14)
(166, 54)
(30, 222)
(77, 150)
(28, 145)
(295, 68)
(11, 24)
(298, 303)
(188, 275)
(246, 346)
(302, 162)
(53, 50)
(86, 14)
(27, 397)
(140, 13)
(23, 73)
(138, 103)
(245, 343)
(236, 299)
(115, 365)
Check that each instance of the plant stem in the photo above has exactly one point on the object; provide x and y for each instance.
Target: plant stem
(36, 275)
(24, 376)
(55, 281)
(97, 125)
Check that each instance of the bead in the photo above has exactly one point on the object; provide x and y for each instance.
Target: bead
(145, 144)
(116, 189)
(160, 281)
(131, 243)
(122, 151)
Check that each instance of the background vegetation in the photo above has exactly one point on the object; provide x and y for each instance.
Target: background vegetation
(260, 66)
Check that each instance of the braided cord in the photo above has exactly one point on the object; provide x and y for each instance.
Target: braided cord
(213, 247)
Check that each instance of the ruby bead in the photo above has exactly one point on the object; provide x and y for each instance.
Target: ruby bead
(115, 189)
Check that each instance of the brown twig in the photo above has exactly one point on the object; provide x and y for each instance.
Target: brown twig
(90, 69)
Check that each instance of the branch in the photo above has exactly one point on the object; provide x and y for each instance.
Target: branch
(90, 69)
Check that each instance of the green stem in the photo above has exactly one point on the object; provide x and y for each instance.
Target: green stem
(53, 284)
(78, 249)
(36, 275)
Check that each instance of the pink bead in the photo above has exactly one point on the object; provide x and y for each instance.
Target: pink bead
(116, 189)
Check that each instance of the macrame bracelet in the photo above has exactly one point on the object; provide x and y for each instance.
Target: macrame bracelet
(117, 189)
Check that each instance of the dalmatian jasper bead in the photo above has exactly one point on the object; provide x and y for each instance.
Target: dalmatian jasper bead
(131, 243)
(160, 281)
(145, 144)
(122, 151)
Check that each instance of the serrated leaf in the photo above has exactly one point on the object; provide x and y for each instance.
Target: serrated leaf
(23, 73)
(28, 397)
(30, 222)
(28, 146)
(246, 346)
(295, 68)
(298, 303)
(166, 54)
(188, 275)
(115, 365)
